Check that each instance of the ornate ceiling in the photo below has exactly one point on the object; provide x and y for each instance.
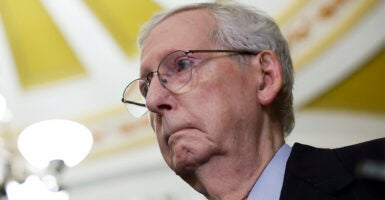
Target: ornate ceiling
(71, 59)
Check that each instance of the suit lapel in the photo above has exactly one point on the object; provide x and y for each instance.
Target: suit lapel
(313, 173)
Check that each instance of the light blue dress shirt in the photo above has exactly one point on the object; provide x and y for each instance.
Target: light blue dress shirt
(269, 184)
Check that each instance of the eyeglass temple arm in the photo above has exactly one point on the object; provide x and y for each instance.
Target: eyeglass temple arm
(132, 102)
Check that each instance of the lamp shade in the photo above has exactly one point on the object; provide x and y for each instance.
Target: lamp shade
(56, 139)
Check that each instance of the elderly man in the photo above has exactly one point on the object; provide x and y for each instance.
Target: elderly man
(217, 80)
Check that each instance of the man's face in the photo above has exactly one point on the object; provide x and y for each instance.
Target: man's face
(217, 112)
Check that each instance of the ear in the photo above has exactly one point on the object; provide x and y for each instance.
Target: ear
(270, 77)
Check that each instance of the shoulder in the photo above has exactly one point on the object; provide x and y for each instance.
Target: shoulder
(373, 150)
(334, 171)
(348, 157)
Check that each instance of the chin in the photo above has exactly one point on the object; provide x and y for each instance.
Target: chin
(184, 167)
(186, 159)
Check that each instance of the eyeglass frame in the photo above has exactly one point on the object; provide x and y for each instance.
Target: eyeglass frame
(186, 52)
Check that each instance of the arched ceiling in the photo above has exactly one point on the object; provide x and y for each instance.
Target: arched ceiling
(71, 59)
(40, 52)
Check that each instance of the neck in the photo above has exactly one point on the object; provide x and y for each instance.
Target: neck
(233, 175)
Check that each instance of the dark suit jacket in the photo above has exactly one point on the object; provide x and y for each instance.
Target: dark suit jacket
(327, 174)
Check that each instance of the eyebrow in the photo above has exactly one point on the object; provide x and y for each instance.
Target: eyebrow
(144, 69)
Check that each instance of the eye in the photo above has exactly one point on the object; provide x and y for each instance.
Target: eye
(144, 89)
(184, 64)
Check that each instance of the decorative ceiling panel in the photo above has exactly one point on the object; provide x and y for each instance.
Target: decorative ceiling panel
(317, 25)
(362, 91)
(40, 52)
(123, 19)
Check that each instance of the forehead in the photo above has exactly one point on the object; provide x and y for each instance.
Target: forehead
(181, 31)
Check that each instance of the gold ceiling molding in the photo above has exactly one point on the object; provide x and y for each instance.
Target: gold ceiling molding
(123, 19)
(124, 146)
(294, 7)
(127, 136)
(363, 91)
(40, 52)
(115, 131)
(320, 24)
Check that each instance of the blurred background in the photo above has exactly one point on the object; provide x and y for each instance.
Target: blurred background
(71, 60)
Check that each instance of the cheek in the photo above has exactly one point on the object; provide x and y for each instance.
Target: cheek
(226, 102)
(225, 96)
(216, 110)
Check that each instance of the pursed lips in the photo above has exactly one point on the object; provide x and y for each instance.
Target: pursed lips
(174, 131)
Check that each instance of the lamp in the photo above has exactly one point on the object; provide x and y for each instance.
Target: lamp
(33, 188)
(50, 146)
(55, 140)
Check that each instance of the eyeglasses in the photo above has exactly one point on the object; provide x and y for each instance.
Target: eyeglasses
(174, 72)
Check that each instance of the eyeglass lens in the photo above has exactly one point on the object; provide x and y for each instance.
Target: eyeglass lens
(174, 72)
(133, 95)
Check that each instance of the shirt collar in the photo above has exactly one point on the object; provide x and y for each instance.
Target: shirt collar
(269, 184)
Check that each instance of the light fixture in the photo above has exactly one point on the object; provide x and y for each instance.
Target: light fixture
(35, 188)
(55, 140)
(48, 146)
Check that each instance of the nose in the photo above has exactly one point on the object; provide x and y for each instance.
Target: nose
(158, 97)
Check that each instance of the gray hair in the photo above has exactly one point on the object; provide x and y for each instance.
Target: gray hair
(240, 27)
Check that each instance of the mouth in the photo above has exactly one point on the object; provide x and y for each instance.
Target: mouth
(176, 133)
